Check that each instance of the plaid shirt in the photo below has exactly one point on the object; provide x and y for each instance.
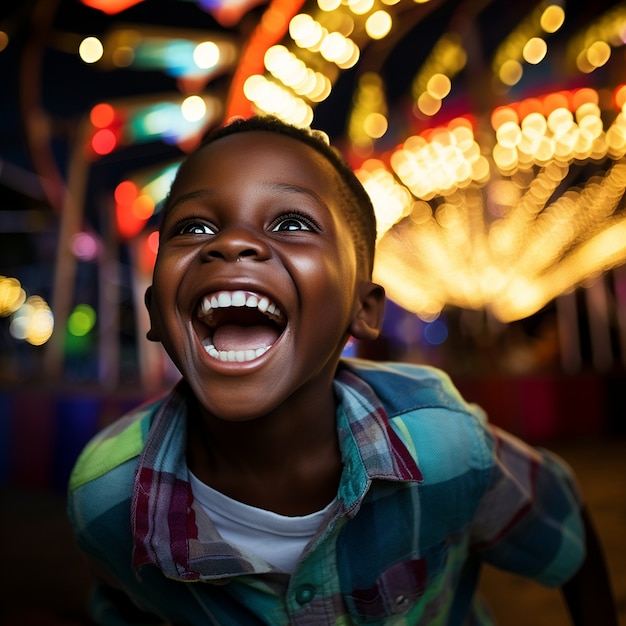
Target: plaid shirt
(428, 491)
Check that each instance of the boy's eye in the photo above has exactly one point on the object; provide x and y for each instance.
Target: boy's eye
(292, 223)
(195, 228)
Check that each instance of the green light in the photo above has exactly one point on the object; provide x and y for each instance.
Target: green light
(81, 320)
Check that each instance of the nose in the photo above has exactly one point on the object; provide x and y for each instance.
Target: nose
(236, 244)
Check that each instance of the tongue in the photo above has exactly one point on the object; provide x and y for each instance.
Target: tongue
(232, 337)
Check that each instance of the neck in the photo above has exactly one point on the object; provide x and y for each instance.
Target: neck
(287, 461)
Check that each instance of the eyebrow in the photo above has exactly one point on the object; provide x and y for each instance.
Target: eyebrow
(191, 195)
(292, 188)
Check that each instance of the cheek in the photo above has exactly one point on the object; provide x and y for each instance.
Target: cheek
(323, 274)
(326, 289)
(169, 274)
(165, 290)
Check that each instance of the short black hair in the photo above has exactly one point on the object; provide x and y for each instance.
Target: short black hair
(359, 211)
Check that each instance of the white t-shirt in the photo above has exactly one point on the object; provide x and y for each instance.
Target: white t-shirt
(279, 539)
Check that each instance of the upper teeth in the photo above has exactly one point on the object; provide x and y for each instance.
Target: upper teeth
(225, 299)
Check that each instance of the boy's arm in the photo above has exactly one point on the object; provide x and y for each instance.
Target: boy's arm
(109, 604)
(111, 607)
(588, 593)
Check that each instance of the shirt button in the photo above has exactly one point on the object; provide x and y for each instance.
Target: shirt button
(305, 593)
(401, 601)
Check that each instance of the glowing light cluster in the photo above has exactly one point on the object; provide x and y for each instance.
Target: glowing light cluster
(298, 82)
(12, 295)
(526, 43)
(592, 49)
(333, 46)
(512, 241)
(271, 98)
(562, 127)
(440, 161)
(391, 200)
(307, 63)
(368, 118)
(293, 73)
(31, 317)
(433, 82)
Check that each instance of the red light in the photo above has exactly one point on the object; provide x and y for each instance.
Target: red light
(148, 252)
(128, 224)
(132, 210)
(104, 141)
(153, 241)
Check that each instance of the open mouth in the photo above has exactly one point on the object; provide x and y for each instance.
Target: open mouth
(242, 325)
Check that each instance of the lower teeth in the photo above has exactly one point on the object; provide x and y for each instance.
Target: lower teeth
(235, 356)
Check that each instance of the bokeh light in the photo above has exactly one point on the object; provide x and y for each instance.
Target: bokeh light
(81, 320)
(12, 295)
(90, 50)
(33, 321)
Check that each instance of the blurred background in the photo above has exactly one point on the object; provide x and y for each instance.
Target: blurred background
(491, 136)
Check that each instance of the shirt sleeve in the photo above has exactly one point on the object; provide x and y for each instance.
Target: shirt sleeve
(111, 607)
(528, 521)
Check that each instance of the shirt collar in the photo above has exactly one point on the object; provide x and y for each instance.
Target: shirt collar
(370, 447)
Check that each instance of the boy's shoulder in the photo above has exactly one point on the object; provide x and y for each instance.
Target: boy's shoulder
(406, 387)
(443, 433)
(119, 442)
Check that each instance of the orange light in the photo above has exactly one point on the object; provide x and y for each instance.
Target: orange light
(102, 115)
(555, 101)
(126, 193)
(583, 96)
(461, 122)
(620, 96)
(264, 35)
(503, 114)
(143, 207)
(111, 7)
(531, 105)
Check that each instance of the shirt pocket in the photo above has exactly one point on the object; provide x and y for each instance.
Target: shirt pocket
(397, 589)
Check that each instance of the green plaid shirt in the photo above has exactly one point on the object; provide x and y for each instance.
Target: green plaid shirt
(428, 492)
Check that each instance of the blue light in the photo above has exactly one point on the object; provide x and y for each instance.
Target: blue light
(435, 333)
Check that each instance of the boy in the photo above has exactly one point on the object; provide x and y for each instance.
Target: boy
(277, 483)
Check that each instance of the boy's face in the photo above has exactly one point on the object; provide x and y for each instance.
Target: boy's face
(256, 286)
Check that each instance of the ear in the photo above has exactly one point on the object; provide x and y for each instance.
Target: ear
(368, 319)
(152, 335)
